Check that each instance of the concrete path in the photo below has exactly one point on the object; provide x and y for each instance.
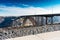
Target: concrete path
(43, 36)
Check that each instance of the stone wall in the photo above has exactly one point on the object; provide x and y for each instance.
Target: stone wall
(12, 33)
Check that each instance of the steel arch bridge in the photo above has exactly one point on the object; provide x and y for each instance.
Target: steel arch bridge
(41, 19)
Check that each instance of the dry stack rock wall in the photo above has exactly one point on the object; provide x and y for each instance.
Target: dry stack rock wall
(18, 32)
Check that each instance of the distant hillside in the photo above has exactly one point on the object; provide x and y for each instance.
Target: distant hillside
(6, 21)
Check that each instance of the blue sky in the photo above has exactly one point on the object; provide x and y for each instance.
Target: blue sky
(16, 7)
(35, 3)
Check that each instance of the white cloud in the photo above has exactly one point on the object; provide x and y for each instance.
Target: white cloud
(17, 11)
(54, 9)
(25, 5)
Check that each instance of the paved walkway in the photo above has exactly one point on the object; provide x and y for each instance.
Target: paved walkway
(43, 36)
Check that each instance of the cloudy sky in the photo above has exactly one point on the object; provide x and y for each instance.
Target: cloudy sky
(28, 7)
